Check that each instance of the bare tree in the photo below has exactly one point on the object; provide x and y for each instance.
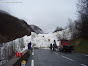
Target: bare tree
(59, 36)
(72, 29)
(83, 18)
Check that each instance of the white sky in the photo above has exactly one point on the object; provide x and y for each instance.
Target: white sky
(47, 14)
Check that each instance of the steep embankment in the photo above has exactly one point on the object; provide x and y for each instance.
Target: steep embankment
(80, 45)
(12, 27)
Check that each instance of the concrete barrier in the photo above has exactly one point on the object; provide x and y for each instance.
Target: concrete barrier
(13, 60)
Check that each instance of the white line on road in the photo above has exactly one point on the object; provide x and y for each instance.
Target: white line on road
(83, 65)
(56, 53)
(33, 49)
(86, 55)
(32, 53)
(67, 58)
(64, 57)
(32, 62)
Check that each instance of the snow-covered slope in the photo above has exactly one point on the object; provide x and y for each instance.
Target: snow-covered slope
(12, 27)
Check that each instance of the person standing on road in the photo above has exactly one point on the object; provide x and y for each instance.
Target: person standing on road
(55, 45)
(30, 44)
(29, 48)
(51, 46)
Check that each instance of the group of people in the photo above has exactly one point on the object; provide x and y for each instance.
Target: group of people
(53, 46)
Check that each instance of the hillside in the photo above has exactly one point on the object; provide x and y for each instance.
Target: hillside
(12, 27)
(80, 45)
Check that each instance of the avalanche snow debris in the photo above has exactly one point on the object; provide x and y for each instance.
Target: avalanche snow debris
(39, 41)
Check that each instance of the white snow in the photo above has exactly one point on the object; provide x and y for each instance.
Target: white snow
(39, 41)
(9, 49)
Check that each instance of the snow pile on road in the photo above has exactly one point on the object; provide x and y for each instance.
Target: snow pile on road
(41, 40)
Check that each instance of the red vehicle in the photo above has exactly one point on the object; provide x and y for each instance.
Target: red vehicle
(64, 46)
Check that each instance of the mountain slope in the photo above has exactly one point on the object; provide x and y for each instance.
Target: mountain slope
(12, 27)
(36, 29)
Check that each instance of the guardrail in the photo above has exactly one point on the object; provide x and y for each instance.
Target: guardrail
(9, 49)
(13, 60)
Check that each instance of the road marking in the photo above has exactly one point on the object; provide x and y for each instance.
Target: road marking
(83, 65)
(32, 53)
(86, 55)
(56, 53)
(32, 62)
(33, 49)
(67, 58)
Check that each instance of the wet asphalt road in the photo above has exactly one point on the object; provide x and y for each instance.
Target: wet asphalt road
(46, 57)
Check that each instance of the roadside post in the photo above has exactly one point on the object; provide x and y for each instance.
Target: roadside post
(23, 63)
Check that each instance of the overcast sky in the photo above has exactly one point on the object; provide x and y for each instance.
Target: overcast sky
(47, 14)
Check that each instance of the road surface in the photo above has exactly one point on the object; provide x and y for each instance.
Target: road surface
(46, 57)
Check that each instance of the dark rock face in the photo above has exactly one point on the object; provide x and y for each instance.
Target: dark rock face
(12, 27)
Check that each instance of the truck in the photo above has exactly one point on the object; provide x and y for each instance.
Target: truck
(64, 46)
